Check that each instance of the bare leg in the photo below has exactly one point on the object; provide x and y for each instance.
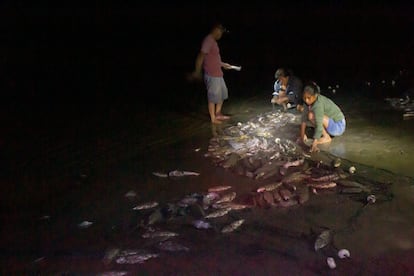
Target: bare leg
(326, 138)
(212, 112)
(218, 108)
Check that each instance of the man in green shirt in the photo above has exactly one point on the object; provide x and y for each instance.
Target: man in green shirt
(323, 114)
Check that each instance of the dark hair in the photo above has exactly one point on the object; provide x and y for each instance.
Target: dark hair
(312, 88)
(282, 72)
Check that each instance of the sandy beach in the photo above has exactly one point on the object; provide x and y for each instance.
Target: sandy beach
(83, 173)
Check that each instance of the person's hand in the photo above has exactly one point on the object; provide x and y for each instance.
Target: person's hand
(226, 66)
(314, 147)
(301, 140)
(195, 76)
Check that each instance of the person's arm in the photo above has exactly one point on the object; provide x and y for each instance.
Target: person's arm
(303, 137)
(199, 65)
(225, 65)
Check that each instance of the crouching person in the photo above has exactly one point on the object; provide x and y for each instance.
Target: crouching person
(323, 114)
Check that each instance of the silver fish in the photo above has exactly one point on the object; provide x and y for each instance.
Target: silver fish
(160, 174)
(233, 206)
(131, 194)
(323, 239)
(146, 205)
(158, 234)
(232, 226)
(218, 213)
(110, 254)
(134, 257)
(322, 185)
(227, 197)
(294, 163)
(219, 188)
(201, 224)
(178, 173)
(85, 224)
(269, 187)
(172, 246)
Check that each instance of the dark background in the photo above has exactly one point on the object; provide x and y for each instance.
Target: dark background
(54, 54)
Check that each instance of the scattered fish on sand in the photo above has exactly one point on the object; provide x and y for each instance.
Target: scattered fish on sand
(232, 226)
(218, 213)
(113, 273)
(110, 254)
(131, 194)
(146, 205)
(227, 197)
(269, 187)
(178, 173)
(158, 234)
(134, 257)
(85, 224)
(201, 224)
(160, 174)
(323, 239)
(172, 246)
(219, 188)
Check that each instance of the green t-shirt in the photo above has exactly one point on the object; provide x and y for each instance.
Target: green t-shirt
(322, 106)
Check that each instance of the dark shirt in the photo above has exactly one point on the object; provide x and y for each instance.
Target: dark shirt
(294, 90)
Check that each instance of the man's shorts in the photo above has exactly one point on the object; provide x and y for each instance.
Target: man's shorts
(336, 128)
(216, 89)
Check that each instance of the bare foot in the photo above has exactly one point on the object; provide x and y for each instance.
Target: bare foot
(325, 139)
(216, 121)
(222, 117)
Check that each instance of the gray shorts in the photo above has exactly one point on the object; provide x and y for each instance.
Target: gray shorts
(216, 89)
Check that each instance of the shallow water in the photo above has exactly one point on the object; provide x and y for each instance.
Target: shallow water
(83, 175)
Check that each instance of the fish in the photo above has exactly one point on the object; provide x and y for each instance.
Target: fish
(85, 224)
(233, 206)
(113, 273)
(219, 188)
(226, 198)
(172, 246)
(131, 194)
(269, 187)
(296, 177)
(159, 234)
(178, 173)
(146, 205)
(110, 254)
(232, 226)
(323, 239)
(134, 257)
(322, 185)
(293, 163)
(160, 174)
(218, 213)
(329, 177)
(285, 194)
(353, 184)
(210, 197)
(201, 224)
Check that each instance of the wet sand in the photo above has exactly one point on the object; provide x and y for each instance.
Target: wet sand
(83, 175)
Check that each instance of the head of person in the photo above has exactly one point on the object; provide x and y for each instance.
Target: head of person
(282, 75)
(218, 30)
(310, 93)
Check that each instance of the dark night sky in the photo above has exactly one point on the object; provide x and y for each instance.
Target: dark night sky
(78, 48)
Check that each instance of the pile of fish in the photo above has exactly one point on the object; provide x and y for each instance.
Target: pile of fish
(258, 147)
(263, 149)
(405, 104)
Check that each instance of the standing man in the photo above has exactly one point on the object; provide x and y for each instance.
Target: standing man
(209, 60)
